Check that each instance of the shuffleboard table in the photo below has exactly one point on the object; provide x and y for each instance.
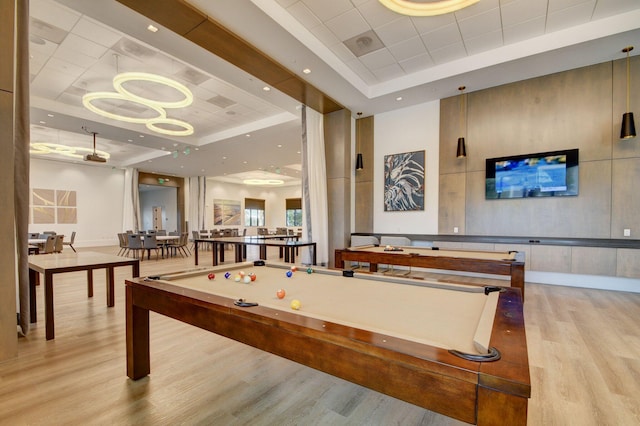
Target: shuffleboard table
(509, 263)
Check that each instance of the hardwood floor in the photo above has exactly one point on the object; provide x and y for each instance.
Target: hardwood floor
(584, 352)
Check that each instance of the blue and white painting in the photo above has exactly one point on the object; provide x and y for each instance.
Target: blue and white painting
(404, 181)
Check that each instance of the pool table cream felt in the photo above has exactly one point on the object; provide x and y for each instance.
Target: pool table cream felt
(425, 251)
(449, 316)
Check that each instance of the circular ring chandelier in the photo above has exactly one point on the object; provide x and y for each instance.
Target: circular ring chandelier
(433, 8)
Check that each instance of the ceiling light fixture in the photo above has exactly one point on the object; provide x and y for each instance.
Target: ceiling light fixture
(152, 28)
(273, 182)
(628, 129)
(461, 152)
(75, 152)
(158, 106)
(434, 8)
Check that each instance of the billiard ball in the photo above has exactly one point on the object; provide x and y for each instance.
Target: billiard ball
(227, 275)
(211, 276)
(289, 274)
(294, 268)
(237, 278)
(247, 279)
(252, 276)
(241, 273)
(309, 270)
(295, 304)
(281, 293)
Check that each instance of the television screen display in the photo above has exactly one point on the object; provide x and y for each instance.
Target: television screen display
(544, 174)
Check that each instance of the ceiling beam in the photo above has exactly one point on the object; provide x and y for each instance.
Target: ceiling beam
(183, 19)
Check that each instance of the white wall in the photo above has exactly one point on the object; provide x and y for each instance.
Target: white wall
(165, 197)
(409, 129)
(275, 208)
(99, 197)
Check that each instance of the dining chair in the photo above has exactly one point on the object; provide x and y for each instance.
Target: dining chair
(161, 232)
(70, 242)
(124, 244)
(182, 245)
(134, 244)
(150, 243)
(58, 246)
(50, 244)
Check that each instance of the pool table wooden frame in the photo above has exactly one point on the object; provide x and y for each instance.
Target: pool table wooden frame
(513, 268)
(484, 393)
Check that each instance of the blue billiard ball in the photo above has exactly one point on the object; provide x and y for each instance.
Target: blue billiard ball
(227, 275)
(289, 274)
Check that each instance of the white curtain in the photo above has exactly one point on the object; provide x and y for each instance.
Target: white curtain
(314, 186)
(197, 206)
(131, 214)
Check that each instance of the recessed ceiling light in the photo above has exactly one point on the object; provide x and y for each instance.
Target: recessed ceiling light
(306, 71)
(248, 135)
(129, 140)
(399, 98)
(244, 162)
(279, 145)
(43, 122)
(141, 136)
(266, 88)
(49, 115)
(152, 28)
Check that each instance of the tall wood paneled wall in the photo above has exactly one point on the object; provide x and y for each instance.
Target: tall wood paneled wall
(364, 177)
(8, 334)
(582, 109)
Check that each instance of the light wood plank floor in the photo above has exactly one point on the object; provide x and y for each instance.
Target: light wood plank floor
(584, 352)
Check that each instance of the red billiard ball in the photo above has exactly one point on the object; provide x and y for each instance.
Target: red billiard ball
(253, 276)
(281, 293)
(294, 268)
(211, 276)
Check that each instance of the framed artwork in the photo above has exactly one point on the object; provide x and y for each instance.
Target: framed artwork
(226, 212)
(53, 206)
(404, 181)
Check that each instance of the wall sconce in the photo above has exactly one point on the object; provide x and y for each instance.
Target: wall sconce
(359, 162)
(461, 152)
(628, 129)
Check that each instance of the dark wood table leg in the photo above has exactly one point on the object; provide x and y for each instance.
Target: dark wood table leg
(89, 282)
(238, 248)
(263, 251)
(137, 339)
(220, 251)
(195, 249)
(48, 306)
(111, 298)
(214, 251)
(33, 309)
(314, 256)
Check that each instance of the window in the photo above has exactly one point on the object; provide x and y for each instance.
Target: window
(294, 212)
(253, 212)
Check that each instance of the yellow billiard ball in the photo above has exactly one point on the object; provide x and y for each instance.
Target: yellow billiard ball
(295, 304)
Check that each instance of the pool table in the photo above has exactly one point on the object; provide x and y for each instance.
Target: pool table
(510, 263)
(407, 331)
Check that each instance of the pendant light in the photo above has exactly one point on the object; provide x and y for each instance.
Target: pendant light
(461, 152)
(628, 129)
(359, 162)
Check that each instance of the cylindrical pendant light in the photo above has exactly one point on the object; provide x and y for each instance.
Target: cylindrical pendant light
(359, 162)
(461, 152)
(628, 129)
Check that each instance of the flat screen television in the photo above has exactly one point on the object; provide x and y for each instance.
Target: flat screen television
(544, 174)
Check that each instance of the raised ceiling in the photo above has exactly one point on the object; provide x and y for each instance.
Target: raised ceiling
(78, 46)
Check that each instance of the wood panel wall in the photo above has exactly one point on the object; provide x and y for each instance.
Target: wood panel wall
(364, 177)
(582, 109)
(8, 335)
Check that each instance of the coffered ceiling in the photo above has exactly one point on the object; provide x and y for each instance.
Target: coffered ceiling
(357, 52)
